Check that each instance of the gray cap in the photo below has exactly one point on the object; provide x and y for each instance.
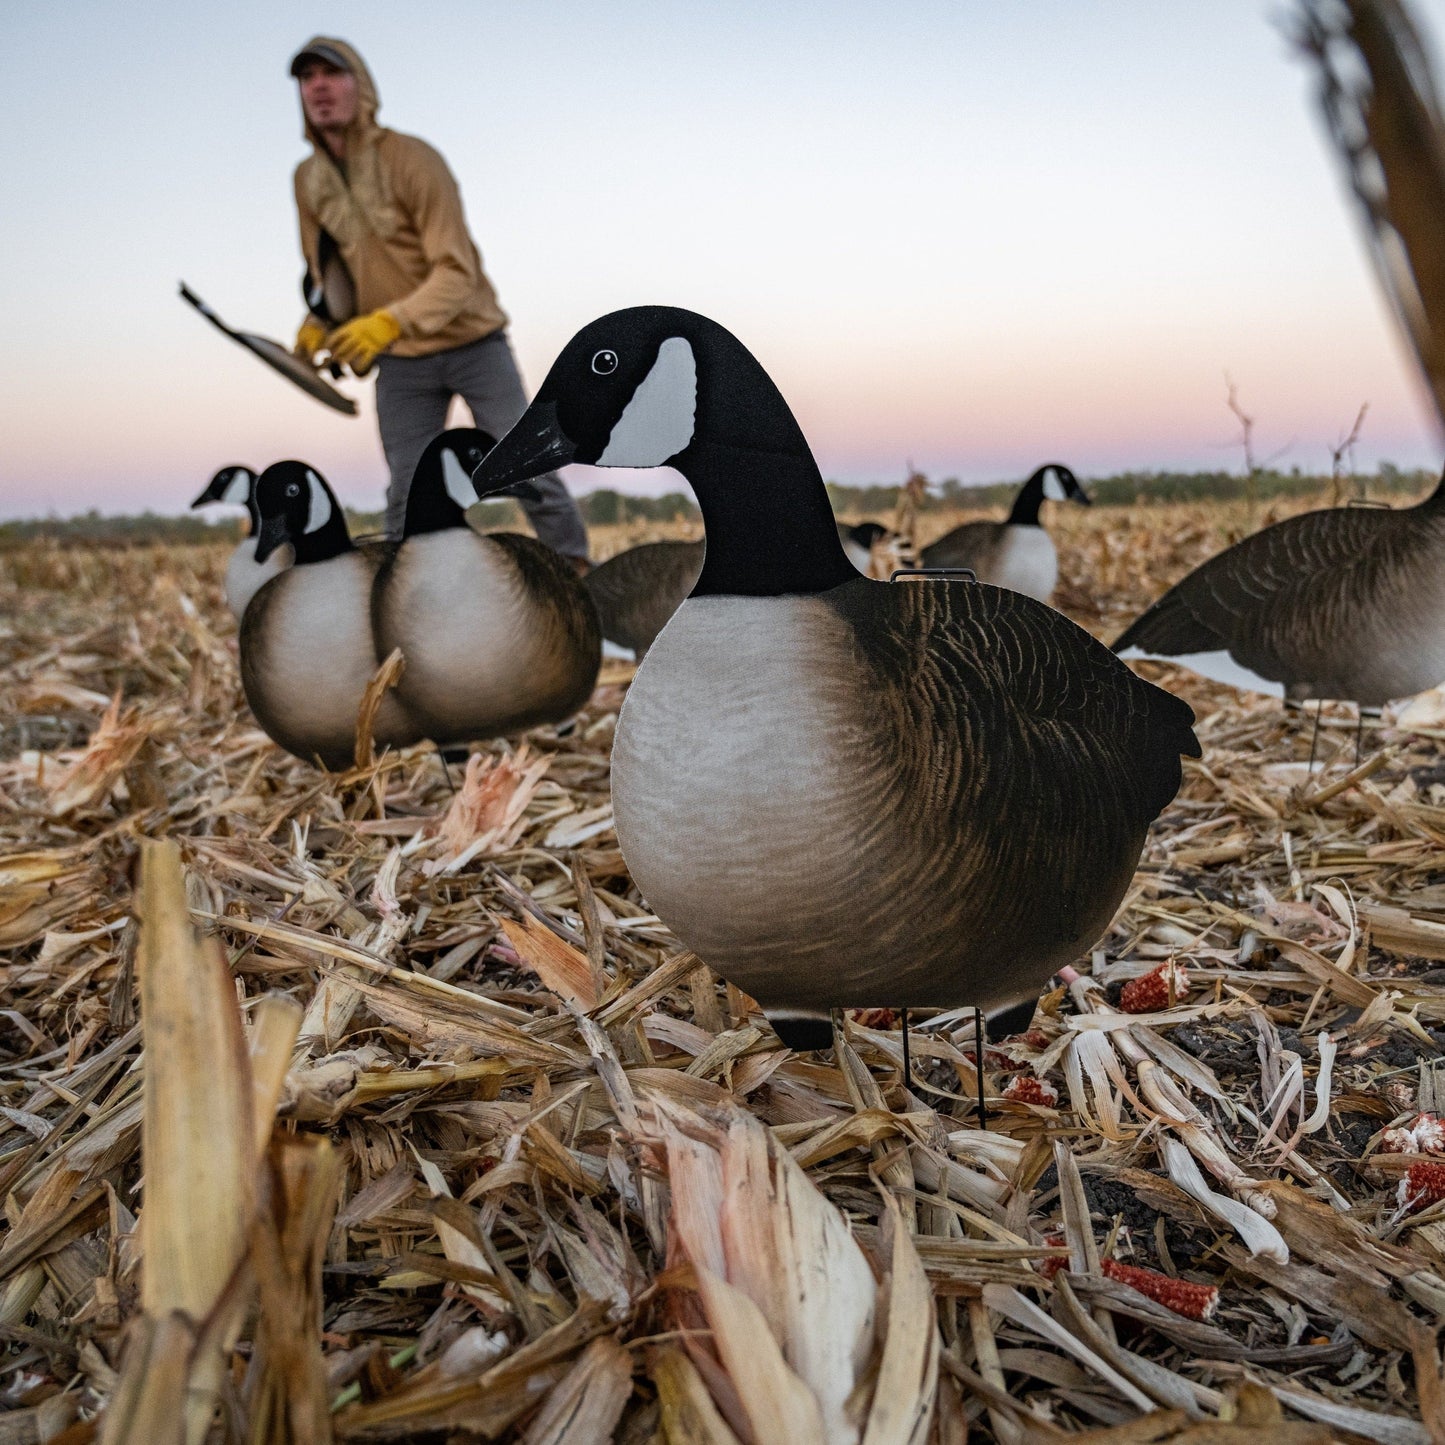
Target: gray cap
(329, 53)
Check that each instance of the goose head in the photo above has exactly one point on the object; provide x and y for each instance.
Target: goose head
(1052, 482)
(233, 486)
(441, 486)
(296, 505)
(657, 386)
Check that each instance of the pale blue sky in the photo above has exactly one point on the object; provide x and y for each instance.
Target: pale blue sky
(967, 234)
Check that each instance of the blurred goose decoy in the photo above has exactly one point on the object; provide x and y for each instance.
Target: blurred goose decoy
(859, 541)
(497, 630)
(306, 644)
(1018, 553)
(245, 576)
(639, 589)
(1346, 604)
(841, 792)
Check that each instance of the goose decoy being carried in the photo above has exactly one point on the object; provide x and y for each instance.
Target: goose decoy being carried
(841, 792)
(306, 645)
(1346, 604)
(245, 576)
(497, 631)
(1017, 553)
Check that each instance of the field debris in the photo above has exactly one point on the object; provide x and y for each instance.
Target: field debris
(379, 1106)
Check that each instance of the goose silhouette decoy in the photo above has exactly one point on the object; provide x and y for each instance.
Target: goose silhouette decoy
(235, 486)
(836, 791)
(1018, 553)
(306, 644)
(636, 591)
(1346, 604)
(497, 631)
(858, 542)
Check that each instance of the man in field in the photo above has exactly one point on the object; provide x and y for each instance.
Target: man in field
(421, 307)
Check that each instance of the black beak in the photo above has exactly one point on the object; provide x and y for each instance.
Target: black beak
(271, 536)
(1083, 498)
(204, 499)
(535, 445)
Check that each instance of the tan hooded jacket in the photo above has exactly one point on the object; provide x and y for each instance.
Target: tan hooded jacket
(396, 216)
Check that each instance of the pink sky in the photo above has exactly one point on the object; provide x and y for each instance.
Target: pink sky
(966, 236)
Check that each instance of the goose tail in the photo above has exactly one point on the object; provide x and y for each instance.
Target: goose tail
(1168, 627)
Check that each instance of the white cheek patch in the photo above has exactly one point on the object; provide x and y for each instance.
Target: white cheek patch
(318, 510)
(238, 488)
(658, 422)
(457, 482)
(1054, 488)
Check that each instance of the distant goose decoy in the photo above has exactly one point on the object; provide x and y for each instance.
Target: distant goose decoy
(1018, 553)
(840, 792)
(858, 543)
(1346, 604)
(497, 631)
(245, 576)
(306, 645)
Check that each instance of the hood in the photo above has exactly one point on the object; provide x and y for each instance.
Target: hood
(368, 101)
(360, 201)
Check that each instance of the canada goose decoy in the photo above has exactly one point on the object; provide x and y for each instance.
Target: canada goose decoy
(858, 543)
(841, 792)
(1346, 604)
(306, 645)
(245, 576)
(1018, 553)
(639, 589)
(497, 630)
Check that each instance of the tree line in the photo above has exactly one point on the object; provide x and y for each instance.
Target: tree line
(605, 506)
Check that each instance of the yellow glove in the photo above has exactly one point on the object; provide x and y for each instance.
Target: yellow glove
(309, 339)
(361, 341)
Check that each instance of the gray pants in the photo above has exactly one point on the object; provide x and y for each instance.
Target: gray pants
(412, 397)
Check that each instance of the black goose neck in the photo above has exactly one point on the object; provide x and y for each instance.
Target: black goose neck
(430, 507)
(1025, 510)
(329, 540)
(769, 525)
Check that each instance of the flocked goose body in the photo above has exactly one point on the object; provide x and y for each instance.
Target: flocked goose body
(837, 791)
(1347, 603)
(1017, 553)
(306, 645)
(497, 631)
(245, 576)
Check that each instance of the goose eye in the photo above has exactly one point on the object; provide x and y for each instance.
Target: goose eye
(604, 363)
(293, 489)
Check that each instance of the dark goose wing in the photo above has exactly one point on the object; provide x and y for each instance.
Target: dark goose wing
(971, 545)
(1286, 600)
(1019, 764)
(637, 591)
(992, 676)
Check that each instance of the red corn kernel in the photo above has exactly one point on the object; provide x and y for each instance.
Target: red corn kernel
(1193, 1301)
(1423, 1186)
(1150, 994)
(1027, 1089)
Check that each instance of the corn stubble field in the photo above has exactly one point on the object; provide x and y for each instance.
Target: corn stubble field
(434, 1133)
